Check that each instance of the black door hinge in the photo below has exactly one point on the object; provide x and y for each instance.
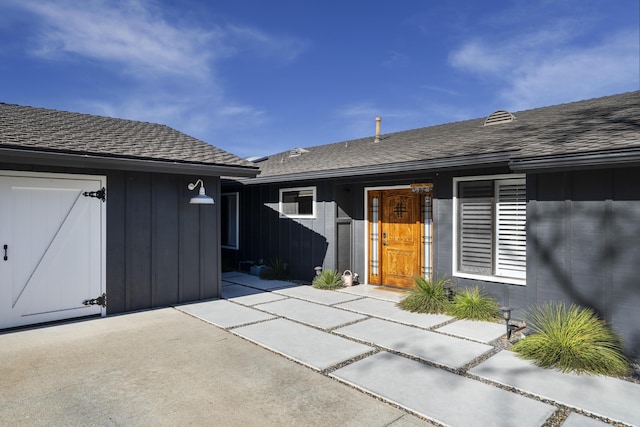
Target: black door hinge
(100, 194)
(101, 301)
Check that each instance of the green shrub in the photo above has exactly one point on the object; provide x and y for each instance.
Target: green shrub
(328, 279)
(277, 269)
(427, 296)
(572, 340)
(474, 304)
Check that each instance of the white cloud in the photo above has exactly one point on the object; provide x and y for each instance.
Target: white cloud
(128, 34)
(166, 63)
(477, 57)
(137, 35)
(550, 66)
(609, 67)
(263, 44)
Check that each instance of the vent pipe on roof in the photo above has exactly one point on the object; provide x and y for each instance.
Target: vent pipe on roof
(377, 138)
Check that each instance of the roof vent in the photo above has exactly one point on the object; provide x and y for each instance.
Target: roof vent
(257, 159)
(297, 152)
(499, 117)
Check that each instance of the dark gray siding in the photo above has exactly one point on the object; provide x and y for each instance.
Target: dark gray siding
(161, 250)
(301, 242)
(583, 234)
(583, 244)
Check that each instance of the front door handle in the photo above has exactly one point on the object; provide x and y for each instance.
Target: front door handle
(384, 243)
(5, 247)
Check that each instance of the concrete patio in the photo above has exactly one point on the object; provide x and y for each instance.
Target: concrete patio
(351, 357)
(448, 371)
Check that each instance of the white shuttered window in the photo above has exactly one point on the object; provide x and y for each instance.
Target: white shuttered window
(511, 233)
(491, 228)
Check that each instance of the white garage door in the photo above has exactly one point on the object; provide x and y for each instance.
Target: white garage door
(52, 247)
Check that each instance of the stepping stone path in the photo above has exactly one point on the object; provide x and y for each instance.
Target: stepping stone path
(434, 366)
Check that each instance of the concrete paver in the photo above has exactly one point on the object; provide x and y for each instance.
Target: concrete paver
(428, 346)
(166, 368)
(224, 313)
(378, 292)
(598, 395)
(309, 346)
(320, 296)
(440, 395)
(390, 311)
(249, 296)
(257, 282)
(310, 313)
(475, 330)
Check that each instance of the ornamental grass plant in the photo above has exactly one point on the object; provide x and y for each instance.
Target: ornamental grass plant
(427, 296)
(572, 340)
(328, 279)
(277, 269)
(474, 304)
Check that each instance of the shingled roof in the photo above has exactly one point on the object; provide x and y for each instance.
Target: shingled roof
(603, 129)
(31, 130)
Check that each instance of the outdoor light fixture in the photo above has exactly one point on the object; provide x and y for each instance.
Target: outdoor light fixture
(448, 291)
(318, 270)
(506, 315)
(201, 198)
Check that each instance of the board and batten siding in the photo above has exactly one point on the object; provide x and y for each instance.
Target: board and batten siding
(301, 242)
(161, 250)
(583, 244)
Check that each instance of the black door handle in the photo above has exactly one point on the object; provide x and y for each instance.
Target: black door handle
(5, 252)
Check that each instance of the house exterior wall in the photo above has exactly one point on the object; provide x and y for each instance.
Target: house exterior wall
(582, 237)
(301, 242)
(583, 244)
(161, 250)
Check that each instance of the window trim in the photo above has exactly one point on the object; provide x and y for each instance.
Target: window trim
(302, 216)
(237, 245)
(455, 223)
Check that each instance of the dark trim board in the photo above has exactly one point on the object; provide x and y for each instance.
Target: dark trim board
(88, 161)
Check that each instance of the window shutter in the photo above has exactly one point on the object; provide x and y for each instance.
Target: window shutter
(475, 227)
(511, 233)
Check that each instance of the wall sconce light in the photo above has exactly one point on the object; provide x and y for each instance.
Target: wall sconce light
(448, 291)
(506, 315)
(201, 198)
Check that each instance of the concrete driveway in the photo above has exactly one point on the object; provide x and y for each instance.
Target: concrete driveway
(164, 367)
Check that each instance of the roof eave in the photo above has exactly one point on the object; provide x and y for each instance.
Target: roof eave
(490, 159)
(589, 160)
(49, 158)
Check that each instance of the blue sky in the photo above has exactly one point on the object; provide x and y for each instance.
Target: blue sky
(258, 77)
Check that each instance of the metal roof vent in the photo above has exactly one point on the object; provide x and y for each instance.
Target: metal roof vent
(297, 152)
(499, 117)
(257, 159)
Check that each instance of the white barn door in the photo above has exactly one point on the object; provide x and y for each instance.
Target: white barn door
(52, 247)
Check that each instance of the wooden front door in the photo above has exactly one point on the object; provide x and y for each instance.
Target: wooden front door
(397, 248)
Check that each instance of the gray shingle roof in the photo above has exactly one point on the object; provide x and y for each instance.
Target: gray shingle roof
(41, 129)
(609, 123)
